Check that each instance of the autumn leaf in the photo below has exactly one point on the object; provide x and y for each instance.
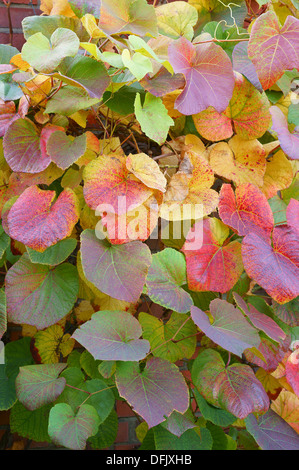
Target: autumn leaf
(208, 73)
(271, 49)
(288, 141)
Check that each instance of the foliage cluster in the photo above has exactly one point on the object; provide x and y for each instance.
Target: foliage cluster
(123, 123)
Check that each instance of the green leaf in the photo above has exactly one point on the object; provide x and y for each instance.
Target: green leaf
(73, 396)
(48, 24)
(30, 424)
(139, 65)
(210, 413)
(9, 90)
(46, 296)
(4, 241)
(72, 430)
(175, 20)
(38, 385)
(122, 101)
(90, 365)
(153, 117)
(107, 432)
(68, 100)
(55, 254)
(166, 275)
(7, 389)
(190, 440)
(45, 55)
(157, 333)
(3, 316)
(103, 398)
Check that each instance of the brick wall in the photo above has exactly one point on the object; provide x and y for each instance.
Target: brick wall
(18, 10)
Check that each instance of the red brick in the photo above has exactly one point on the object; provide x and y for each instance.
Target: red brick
(25, 2)
(123, 410)
(17, 15)
(123, 432)
(17, 40)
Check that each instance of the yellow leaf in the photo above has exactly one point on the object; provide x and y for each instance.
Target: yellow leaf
(57, 7)
(83, 312)
(146, 170)
(20, 63)
(270, 384)
(37, 89)
(278, 175)
(90, 24)
(169, 100)
(240, 161)
(80, 117)
(52, 342)
(286, 406)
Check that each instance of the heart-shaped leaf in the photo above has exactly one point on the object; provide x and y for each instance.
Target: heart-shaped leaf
(71, 429)
(243, 65)
(271, 49)
(45, 55)
(164, 280)
(146, 170)
(65, 150)
(107, 182)
(208, 73)
(39, 385)
(113, 336)
(276, 267)
(234, 388)
(106, 266)
(247, 115)
(271, 432)
(128, 16)
(292, 371)
(161, 381)
(38, 222)
(55, 254)
(245, 211)
(212, 265)
(229, 329)
(177, 20)
(39, 295)
(25, 149)
(84, 72)
(239, 160)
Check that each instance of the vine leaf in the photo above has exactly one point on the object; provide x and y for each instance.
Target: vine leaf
(271, 432)
(155, 392)
(128, 16)
(40, 384)
(45, 55)
(65, 150)
(292, 371)
(243, 65)
(245, 211)
(276, 267)
(25, 149)
(147, 171)
(260, 320)
(71, 429)
(38, 295)
(106, 266)
(234, 388)
(229, 329)
(176, 20)
(247, 115)
(212, 265)
(51, 344)
(166, 275)
(273, 50)
(208, 73)
(38, 222)
(153, 117)
(289, 142)
(113, 336)
(108, 182)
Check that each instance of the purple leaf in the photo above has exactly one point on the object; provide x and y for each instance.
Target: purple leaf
(209, 76)
(260, 320)
(113, 336)
(106, 266)
(243, 65)
(230, 329)
(288, 142)
(155, 392)
(271, 432)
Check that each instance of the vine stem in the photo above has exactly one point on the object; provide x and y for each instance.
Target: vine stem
(89, 393)
(222, 40)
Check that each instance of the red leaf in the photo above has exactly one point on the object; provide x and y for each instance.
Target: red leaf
(292, 371)
(293, 214)
(208, 72)
(273, 50)
(212, 266)
(38, 222)
(275, 268)
(246, 211)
